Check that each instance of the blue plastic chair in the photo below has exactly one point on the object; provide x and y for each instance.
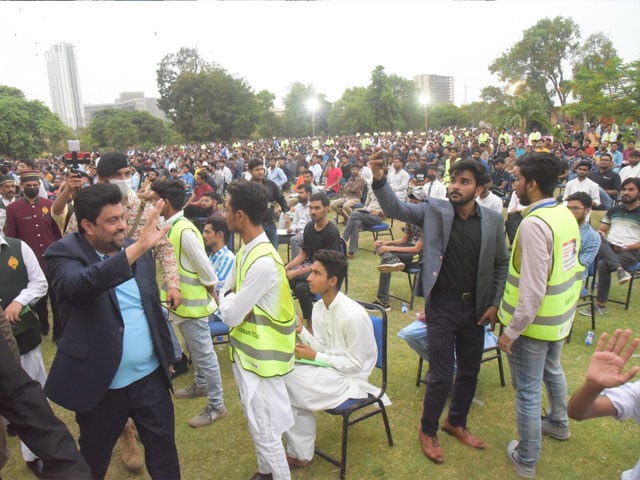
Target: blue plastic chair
(352, 406)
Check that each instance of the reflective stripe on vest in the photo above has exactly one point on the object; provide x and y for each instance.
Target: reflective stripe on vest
(264, 342)
(196, 301)
(555, 314)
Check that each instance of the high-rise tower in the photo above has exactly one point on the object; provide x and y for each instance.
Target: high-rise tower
(64, 84)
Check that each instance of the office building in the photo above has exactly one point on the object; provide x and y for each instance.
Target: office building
(64, 84)
(127, 101)
(438, 88)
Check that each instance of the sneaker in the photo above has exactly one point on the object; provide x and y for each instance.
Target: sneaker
(385, 306)
(391, 267)
(554, 430)
(524, 471)
(191, 392)
(597, 309)
(208, 416)
(623, 276)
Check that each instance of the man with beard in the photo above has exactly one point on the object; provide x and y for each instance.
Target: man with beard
(633, 169)
(318, 234)
(464, 270)
(399, 179)
(7, 196)
(29, 219)
(300, 218)
(620, 249)
(537, 310)
(112, 361)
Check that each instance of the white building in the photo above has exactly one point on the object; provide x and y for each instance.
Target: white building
(439, 89)
(127, 101)
(64, 84)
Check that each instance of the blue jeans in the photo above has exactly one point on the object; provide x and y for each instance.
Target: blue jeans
(197, 336)
(533, 362)
(357, 221)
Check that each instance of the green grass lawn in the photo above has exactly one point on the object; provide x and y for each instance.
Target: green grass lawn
(598, 449)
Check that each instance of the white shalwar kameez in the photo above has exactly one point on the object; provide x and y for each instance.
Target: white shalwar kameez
(264, 400)
(343, 338)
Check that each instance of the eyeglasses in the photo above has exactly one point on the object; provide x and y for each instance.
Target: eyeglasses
(576, 209)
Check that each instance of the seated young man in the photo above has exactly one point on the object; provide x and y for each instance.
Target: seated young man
(398, 254)
(207, 206)
(344, 344)
(318, 234)
(368, 216)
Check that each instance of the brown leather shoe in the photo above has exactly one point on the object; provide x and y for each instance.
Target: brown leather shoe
(463, 435)
(431, 447)
(295, 463)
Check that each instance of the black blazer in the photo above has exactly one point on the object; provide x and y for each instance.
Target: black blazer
(90, 349)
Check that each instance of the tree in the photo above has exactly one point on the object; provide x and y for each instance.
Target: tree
(540, 56)
(269, 124)
(350, 114)
(447, 115)
(297, 120)
(524, 109)
(203, 100)
(27, 127)
(602, 84)
(115, 129)
(386, 96)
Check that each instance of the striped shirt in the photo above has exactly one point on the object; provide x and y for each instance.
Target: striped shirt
(222, 262)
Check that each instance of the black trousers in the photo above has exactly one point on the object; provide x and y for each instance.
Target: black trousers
(300, 288)
(452, 327)
(148, 403)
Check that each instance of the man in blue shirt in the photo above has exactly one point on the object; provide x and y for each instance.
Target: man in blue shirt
(188, 180)
(113, 357)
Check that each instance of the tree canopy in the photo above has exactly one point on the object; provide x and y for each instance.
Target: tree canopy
(116, 129)
(27, 127)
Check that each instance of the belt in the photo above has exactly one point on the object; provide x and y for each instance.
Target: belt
(455, 296)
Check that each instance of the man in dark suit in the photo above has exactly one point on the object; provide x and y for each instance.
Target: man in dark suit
(464, 271)
(112, 361)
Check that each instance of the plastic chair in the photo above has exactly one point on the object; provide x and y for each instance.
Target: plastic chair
(413, 272)
(352, 407)
(490, 352)
(219, 331)
(378, 230)
(634, 270)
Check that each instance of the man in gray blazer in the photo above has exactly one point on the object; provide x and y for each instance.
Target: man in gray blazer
(464, 271)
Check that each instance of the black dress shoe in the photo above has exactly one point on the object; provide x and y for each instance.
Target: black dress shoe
(37, 467)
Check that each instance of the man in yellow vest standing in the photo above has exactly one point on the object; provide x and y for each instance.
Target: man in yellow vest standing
(257, 304)
(197, 281)
(538, 306)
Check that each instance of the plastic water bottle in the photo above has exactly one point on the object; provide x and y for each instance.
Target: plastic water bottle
(281, 221)
(588, 339)
(404, 308)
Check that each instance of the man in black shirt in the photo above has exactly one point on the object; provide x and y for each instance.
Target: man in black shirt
(608, 181)
(319, 234)
(464, 270)
(274, 195)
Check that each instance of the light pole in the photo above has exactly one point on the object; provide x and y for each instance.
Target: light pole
(424, 100)
(313, 105)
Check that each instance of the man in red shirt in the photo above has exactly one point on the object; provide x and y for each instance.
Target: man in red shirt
(202, 186)
(334, 177)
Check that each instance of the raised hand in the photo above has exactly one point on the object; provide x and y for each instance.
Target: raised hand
(607, 364)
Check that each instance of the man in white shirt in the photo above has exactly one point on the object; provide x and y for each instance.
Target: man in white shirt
(8, 195)
(489, 199)
(345, 348)
(257, 301)
(633, 169)
(398, 178)
(197, 281)
(583, 184)
(301, 217)
(433, 188)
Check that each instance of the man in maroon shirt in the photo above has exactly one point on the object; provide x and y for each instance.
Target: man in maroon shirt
(29, 219)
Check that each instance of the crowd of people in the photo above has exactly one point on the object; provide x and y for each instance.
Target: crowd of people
(83, 240)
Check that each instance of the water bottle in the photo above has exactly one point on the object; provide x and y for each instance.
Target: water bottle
(588, 339)
(281, 221)
(404, 308)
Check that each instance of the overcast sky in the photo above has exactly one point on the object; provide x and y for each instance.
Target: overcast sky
(331, 45)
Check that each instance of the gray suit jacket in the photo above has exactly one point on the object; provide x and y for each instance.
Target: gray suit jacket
(435, 216)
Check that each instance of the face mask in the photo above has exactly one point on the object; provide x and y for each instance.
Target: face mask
(123, 185)
(31, 192)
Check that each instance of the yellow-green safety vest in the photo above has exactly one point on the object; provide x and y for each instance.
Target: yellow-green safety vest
(555, 315)
(196, 301)
(264, 342)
